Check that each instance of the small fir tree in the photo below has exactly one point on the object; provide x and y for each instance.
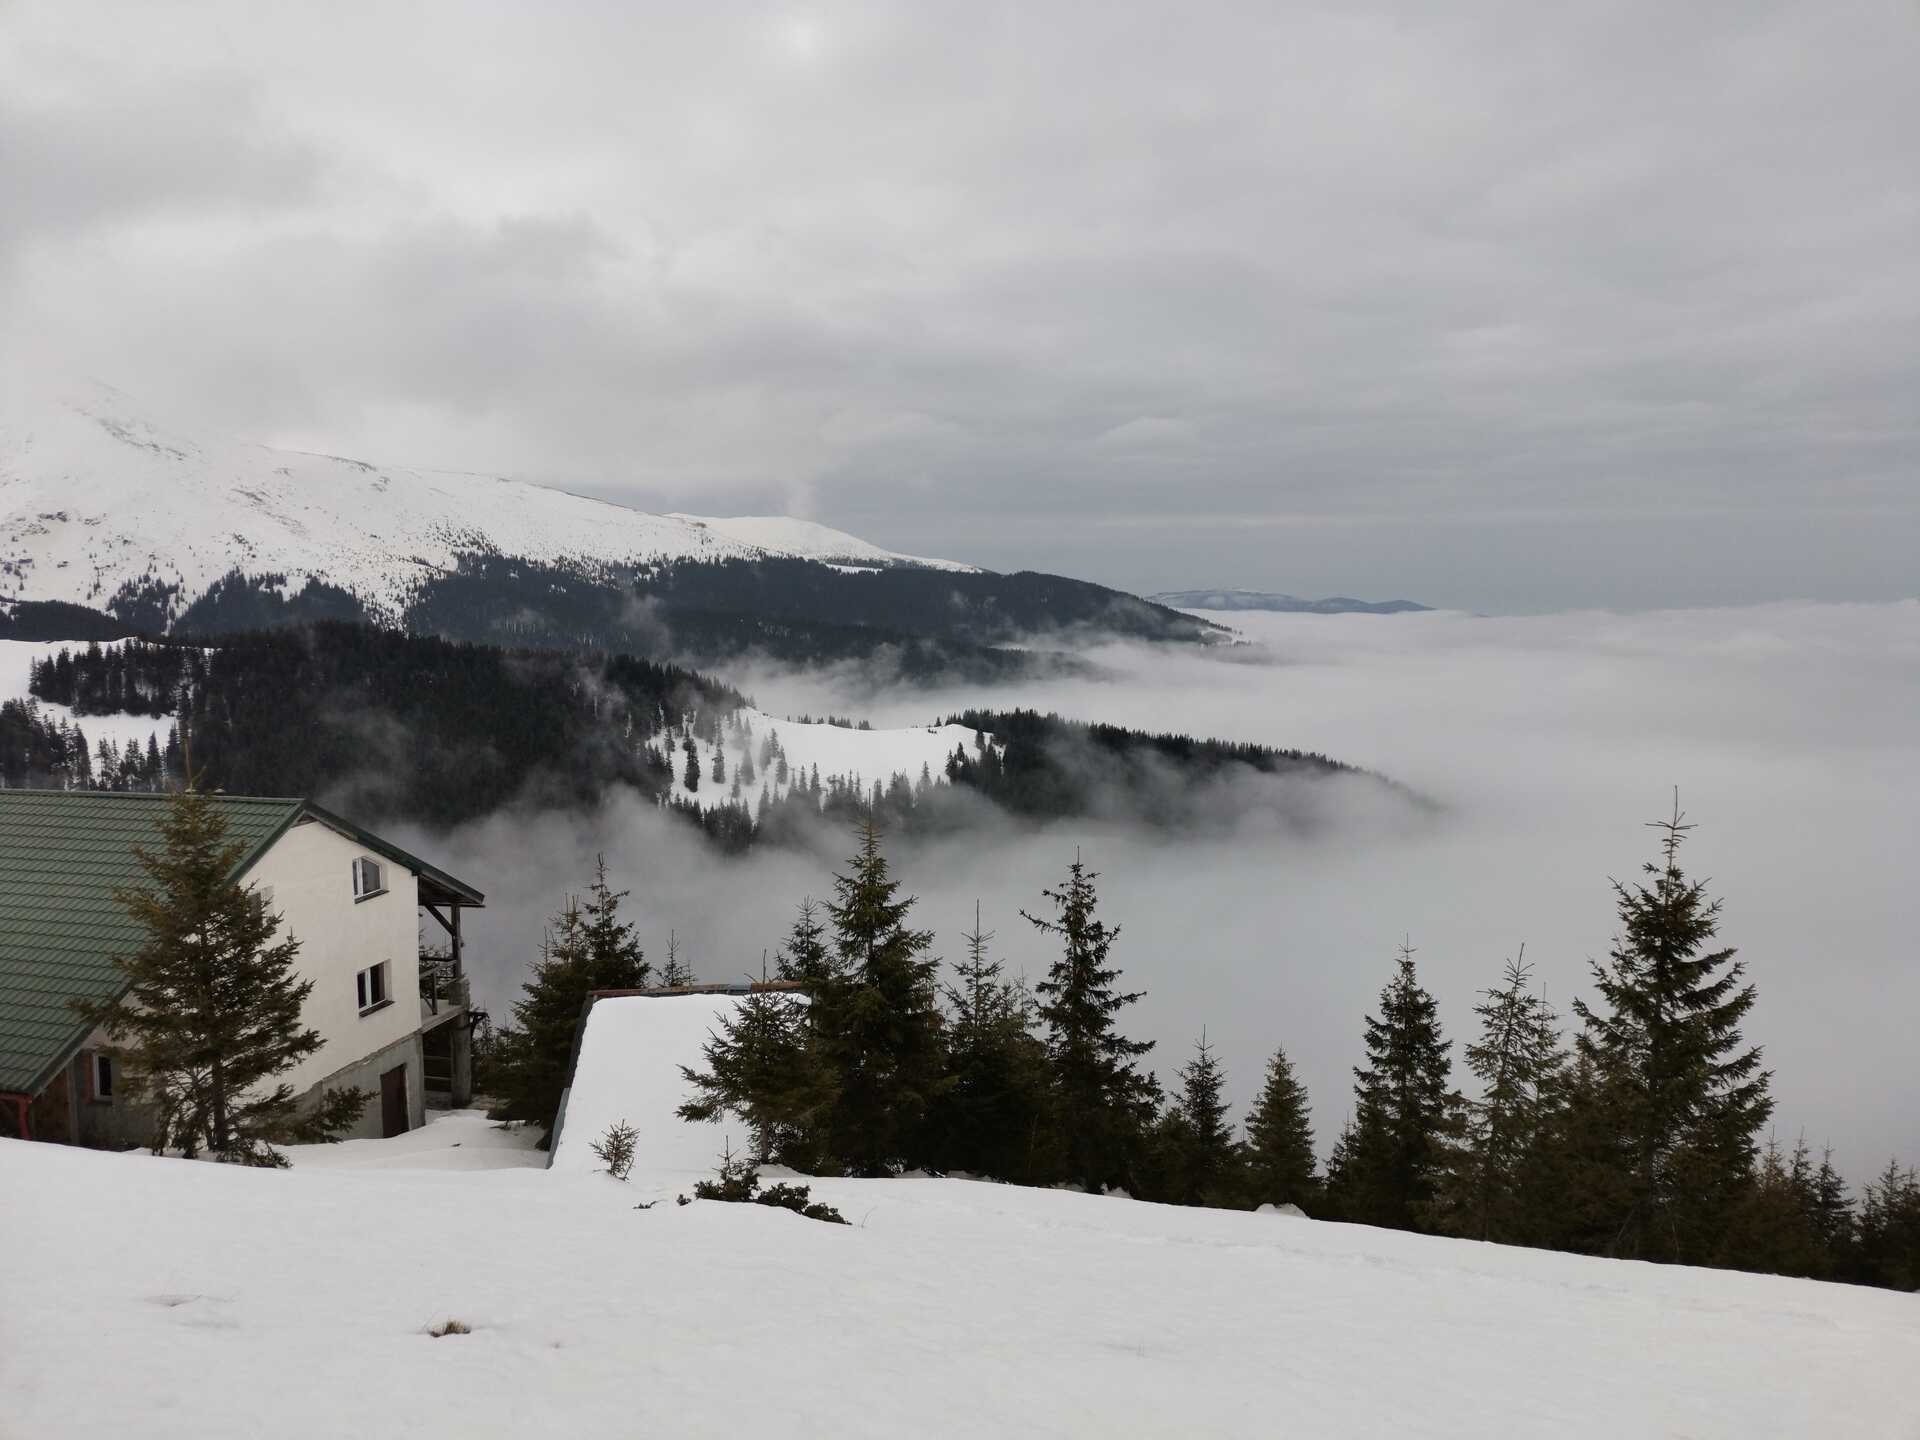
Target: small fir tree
(762, 1067)
(1498, 1176)
(615, 1149)
(585, 949)
(1279, 1162)
(1687, 1096)
(993, 1119)
(1404, 1108)
(211, 1012)
(1104, 1103)
(877, 1019)
(676, 972)
(1202, 1163)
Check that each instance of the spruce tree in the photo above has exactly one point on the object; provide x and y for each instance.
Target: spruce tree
(992, 1120)
(586, 948)
(803, 955)
(1103, 1102)
(878, 1020)
(1886, 1248)
(762, 1066)
(1202, 1163)
(212, 1007)
(676, 972)
(1688, 1097)
(1279, 1162)
(1405, 1109)
(1497, 1178)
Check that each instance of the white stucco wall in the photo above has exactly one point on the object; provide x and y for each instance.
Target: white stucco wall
(310, 870)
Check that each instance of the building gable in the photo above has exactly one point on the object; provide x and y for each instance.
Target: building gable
(62, 856)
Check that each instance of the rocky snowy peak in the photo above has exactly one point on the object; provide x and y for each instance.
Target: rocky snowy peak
(94, 495)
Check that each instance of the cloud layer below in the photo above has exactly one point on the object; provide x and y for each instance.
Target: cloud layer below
(1549, 740)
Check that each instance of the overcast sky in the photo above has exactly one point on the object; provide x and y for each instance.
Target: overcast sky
(1496, 305)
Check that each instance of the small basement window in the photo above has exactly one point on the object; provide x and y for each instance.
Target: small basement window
(102, 1077)
(369, 879)
(373, 988)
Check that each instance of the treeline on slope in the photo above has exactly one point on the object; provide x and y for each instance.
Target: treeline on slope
(1641, 1140)
(136, 677)
(393, 725)
(40, 752)
(58, 620)
(982, 608)
(1047, 766)
(500, 601)
(919, 624)
(413, 728)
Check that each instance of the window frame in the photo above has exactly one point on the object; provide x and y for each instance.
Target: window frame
(100, 1077)
(366, 981)
(362, 864)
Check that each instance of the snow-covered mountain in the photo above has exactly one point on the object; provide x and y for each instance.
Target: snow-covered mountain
(95, 494)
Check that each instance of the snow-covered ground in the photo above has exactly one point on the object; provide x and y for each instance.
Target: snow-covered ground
(93, 493)
(162, 1298)
(16, 663)
(867, 756)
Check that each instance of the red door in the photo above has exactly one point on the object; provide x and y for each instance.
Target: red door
(393, 1102)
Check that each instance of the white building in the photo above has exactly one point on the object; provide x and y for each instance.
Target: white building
(392, 1015)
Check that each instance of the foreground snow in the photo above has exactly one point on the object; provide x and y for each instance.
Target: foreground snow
(163, 1298)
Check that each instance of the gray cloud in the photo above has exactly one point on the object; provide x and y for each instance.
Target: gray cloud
(1501, 306)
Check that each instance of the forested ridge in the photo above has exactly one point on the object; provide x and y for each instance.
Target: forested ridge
(917, 624)
(402, 727)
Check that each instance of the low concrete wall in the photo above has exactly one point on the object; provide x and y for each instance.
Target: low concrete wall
(365, 1075)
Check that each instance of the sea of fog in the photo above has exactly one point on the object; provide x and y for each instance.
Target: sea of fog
(1549, 743)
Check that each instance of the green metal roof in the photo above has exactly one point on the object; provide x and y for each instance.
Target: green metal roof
(62, 855)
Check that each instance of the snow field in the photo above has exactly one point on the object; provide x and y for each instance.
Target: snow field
(16, 662)
(869, 756)
(93, 493)
(171, 1299)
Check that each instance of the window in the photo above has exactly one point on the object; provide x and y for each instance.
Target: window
(369, 879)
(102, 1077)
(373, 988)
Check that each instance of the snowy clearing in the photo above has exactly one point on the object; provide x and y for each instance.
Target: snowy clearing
(16, 661)
(169, 1299)
(867, 756)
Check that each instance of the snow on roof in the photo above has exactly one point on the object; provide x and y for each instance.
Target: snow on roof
(628, 1069)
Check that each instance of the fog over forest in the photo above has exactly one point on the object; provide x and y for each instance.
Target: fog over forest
(1548, 742)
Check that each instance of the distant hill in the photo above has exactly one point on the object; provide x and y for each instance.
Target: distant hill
(1292, 604)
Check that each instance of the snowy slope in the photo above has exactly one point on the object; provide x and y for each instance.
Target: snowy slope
(163, 1298)
(93, 493)
(16, 661)
(866, 756)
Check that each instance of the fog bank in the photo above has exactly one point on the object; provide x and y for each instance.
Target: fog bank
(1549, 742)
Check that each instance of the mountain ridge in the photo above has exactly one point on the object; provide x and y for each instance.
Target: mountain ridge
(1233, 599)
(96, 497)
